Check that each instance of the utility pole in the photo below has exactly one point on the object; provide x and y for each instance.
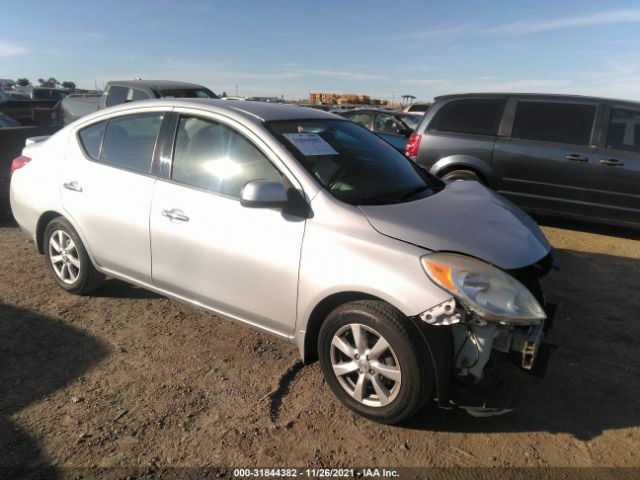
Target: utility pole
(236, 89)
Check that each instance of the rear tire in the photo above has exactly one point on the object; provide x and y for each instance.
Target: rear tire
(68, 260)
(463, 174)
(374, 361)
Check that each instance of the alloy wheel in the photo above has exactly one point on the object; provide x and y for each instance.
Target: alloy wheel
(64, 257)
(365, 365)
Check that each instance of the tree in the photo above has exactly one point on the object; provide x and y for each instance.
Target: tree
(68, 85)
(23, 82)
(224, 94)
(52, 82)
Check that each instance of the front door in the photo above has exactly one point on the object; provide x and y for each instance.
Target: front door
(208, 248)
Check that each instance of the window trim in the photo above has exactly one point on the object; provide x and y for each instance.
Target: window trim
(156, 147)
(168, 149)
(593, 140)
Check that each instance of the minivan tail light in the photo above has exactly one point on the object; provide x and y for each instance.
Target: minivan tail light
(413, 144)
(18, 163)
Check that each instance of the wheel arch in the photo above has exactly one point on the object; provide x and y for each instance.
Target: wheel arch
(465, 162)
(43, 221)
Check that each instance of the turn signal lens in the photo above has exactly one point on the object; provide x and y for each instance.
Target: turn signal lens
(442, 274)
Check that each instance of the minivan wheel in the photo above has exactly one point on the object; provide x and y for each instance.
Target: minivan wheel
(68, 260)
(373, 362)
(462, 175)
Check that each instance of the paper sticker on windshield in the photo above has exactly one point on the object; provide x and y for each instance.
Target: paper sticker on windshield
(310, 144)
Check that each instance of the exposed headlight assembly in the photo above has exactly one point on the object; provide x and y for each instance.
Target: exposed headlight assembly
(486, 290)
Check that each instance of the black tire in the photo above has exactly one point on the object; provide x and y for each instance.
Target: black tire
(417, 379)
(463, 174)
(87, 277)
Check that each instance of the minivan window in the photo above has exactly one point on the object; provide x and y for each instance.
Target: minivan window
(624, 130)
(214, 157)
(116, 95)
(477, 115)
(554, 122)
(130, 140)
(361, 119)
(353, 164)
(91, 138)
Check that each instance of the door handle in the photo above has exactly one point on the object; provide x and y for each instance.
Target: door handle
(574, 157)
(74, 186)
(175, 214)
(612, 162)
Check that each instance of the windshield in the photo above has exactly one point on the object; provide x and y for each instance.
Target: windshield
(353, 164)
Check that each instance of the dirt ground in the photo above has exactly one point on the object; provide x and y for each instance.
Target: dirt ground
(125, 378)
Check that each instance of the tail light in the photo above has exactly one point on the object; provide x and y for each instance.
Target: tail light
(19, 163)
(413, 144)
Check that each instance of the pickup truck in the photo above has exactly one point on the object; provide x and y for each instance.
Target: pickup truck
(25, 110)
(122, 91)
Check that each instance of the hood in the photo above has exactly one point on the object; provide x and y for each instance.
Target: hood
(468, 218)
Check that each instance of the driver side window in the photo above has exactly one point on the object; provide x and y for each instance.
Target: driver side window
(215, 157)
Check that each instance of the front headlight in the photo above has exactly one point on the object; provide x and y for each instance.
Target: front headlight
(487, 290)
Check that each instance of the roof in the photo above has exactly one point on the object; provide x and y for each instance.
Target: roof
(558, 96)
(154, 84)
(264, 111)
(253, 111)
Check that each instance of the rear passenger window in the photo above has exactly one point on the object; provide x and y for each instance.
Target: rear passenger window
(91, 138)
(624, 130)
(554, 122)
(479, 116)
(214, 157)
(129, 141)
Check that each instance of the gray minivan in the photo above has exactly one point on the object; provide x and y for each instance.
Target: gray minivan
(565, 155)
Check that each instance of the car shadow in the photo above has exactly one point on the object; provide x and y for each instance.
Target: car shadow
(589, 227)
(39, 355)
(591, 383)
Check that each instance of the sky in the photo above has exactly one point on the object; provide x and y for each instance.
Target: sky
(380, 48)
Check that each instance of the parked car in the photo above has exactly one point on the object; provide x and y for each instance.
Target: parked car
(124, 91)
(26, 110)
(563, 155)
(394, 126)
(298, 223)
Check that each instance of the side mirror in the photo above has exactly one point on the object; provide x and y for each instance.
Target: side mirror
(263, 194)
(404, 132)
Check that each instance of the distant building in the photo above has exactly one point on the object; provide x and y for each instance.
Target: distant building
(344, 99)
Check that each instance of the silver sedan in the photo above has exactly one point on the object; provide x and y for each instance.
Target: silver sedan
(299, 223)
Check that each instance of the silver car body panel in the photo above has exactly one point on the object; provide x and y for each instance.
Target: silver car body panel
(486, 226)
(260, 266)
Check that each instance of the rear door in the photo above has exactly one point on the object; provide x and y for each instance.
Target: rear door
(613, 191)
(107, 187)
(207, 247)
(546, 161)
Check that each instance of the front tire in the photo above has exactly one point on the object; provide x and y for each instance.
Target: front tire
(374, 361)
(67, 258)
